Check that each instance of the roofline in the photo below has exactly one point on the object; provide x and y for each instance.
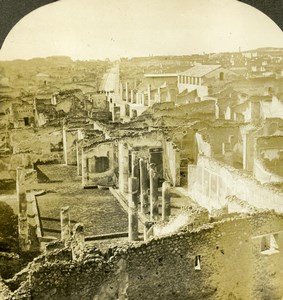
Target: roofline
(216, 67)
(161, 75)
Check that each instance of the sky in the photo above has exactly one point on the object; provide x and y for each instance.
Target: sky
(99, 29)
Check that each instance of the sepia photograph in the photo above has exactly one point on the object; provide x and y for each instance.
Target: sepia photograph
(141, 151)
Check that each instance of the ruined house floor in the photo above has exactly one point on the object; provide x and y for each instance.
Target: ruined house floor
(97, 209)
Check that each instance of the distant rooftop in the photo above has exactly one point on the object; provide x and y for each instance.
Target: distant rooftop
(201, 70)
(161, 75)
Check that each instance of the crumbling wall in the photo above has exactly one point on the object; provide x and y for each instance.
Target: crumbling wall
(187, 143)
(172, 162)
(141, 139)
(69, 144)
(4, 168)
(98, 164)
(210, 182)
(222, 143)
(56, 276)
(30, 146)
(273, 109)
(26, 140)
(221, 260)
(167, 268)
(204, 148)
(268, 165)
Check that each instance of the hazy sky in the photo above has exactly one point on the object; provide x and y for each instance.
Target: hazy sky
(92, 29)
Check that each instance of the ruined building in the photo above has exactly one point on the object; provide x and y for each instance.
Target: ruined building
(200, 183)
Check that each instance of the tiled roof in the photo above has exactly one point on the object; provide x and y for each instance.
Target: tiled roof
(201, 70)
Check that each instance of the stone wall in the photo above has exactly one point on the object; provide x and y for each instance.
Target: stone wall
(268, 159)
(69, 144)
(221, 260)
(210, 182)
(223, 143)
(98, 164)
(4, 168)
(273, 109)
(29, 147)
(172, 162)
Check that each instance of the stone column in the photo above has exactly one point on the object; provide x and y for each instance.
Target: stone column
(65, 145)
(121, 91)
(84, 167)
(166, 205)
(79, 160)
(143, 187)
(65, 223)
(194, 173)
(248, 151)
(126, 168)
(217, 110)
(127, 92)
(123, 167)
(153, 192)
(135, 167)
(177, 167)
(133, 209)
(23, 226)
(132, 96)
(143, 99)
(120, 166)
(78, 242)
(159, 95)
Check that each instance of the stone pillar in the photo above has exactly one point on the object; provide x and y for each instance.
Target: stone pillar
(84, 162)
(194, 175)
(127, 93)
(137, 98)
(177, 167)
(135, 167)
(217, 110)
(159, 95)
(126, 168)
(143, 99)
(132, 96)
(78, 242)
(123, 167)
(153, 192)
(23, 226)
(133, 209)
(65, 223)
(121, 91)
(143, 187)
(248, 151)
(65, 145)
(120, 165)
(149, 95)
(79, 158)
(166, 205)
